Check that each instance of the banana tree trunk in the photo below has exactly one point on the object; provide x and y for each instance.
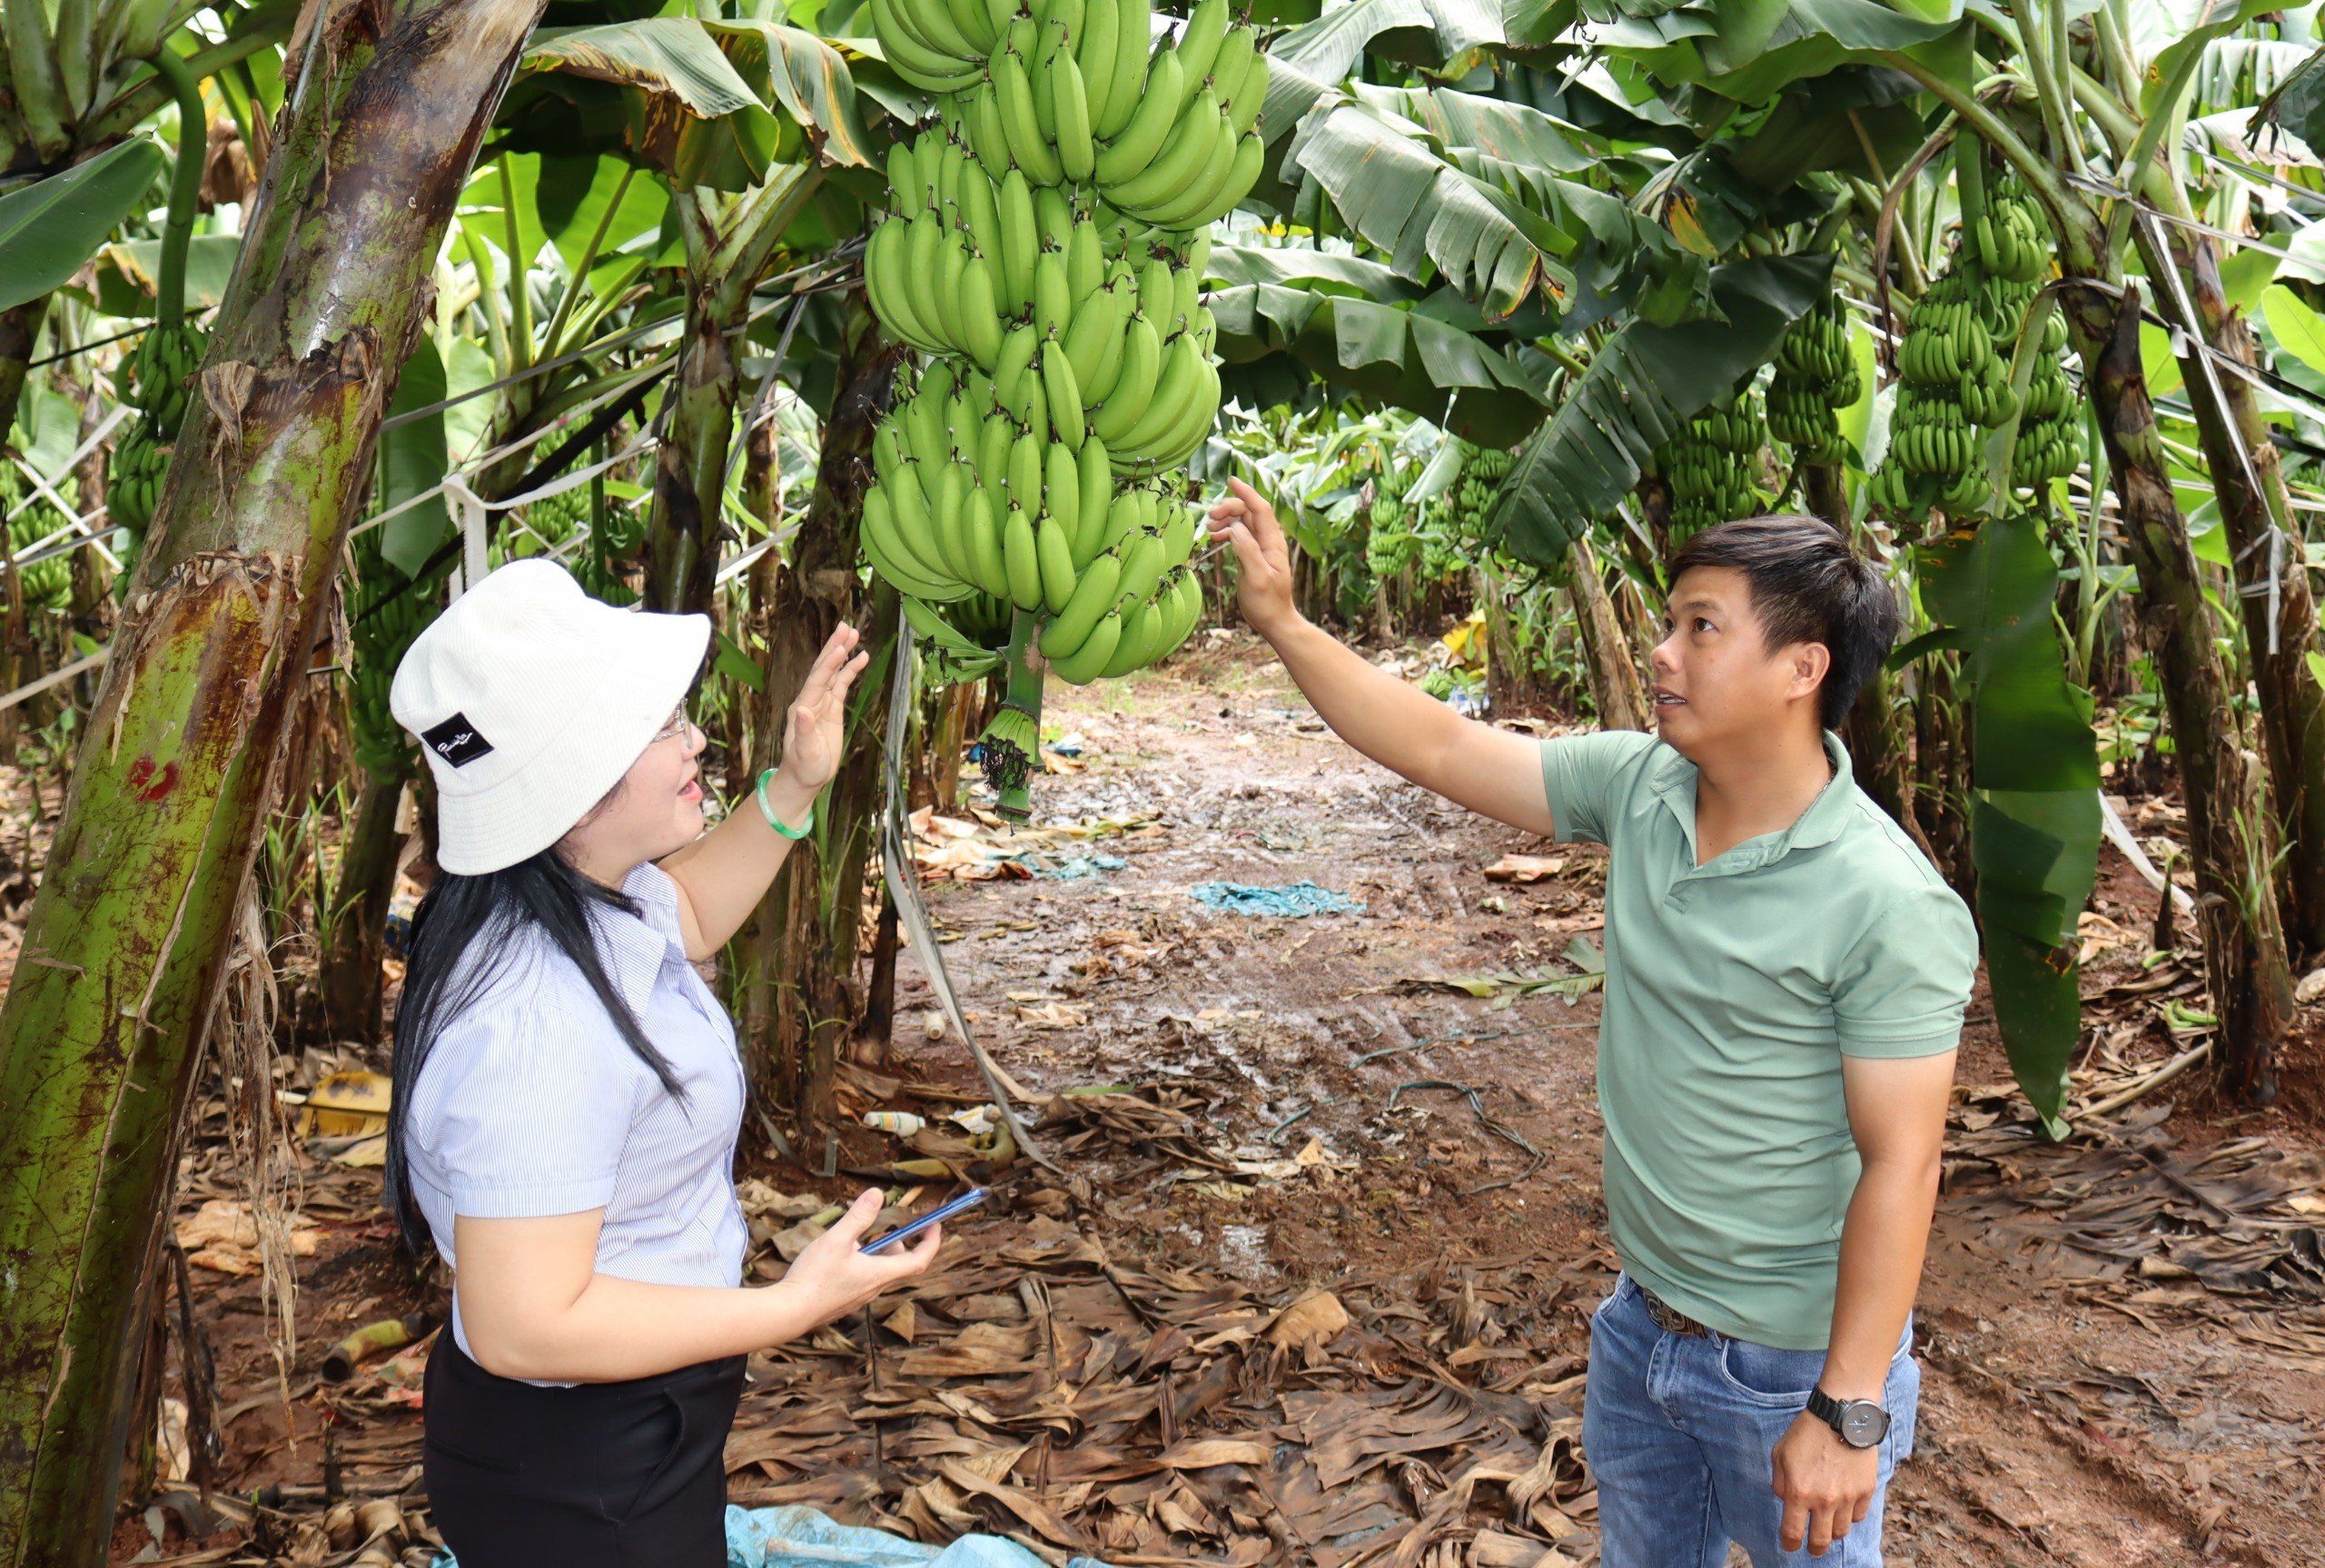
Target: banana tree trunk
(125, 944)
(804, 935)
(351, 974)
(1613, 672)
(2292, 705)
(19, 331)
(2228, 830)
(726, 255)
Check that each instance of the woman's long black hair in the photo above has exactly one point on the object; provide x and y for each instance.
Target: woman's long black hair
(462, 936)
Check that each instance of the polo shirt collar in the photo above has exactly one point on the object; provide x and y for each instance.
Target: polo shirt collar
(1821, 823)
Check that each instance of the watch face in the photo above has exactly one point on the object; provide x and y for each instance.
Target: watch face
(1864, 1423)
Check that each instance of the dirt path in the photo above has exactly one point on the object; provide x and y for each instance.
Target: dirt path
(2123, 1339)
(2065, 1419)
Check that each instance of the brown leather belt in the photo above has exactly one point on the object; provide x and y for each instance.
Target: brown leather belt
(1667, 1317)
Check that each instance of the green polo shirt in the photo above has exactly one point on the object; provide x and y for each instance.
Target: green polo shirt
(1733, 991)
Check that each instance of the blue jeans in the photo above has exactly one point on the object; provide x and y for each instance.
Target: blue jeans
(1680, 1431)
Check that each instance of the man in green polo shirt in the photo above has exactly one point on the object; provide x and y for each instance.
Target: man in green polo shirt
(1786, 979)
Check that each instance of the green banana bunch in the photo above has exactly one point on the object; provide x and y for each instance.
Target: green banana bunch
(46, 584)
(1709, 466)
(159, 376)
(1955, 367)
(1816, 375)
(1044, 248)
(2011, 240)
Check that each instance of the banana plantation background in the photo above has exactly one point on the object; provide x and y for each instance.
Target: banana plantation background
(311, 313)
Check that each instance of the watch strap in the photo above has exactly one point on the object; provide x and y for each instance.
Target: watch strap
(1834, 1413)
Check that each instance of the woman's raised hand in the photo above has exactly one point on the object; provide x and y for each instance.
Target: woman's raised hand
(815, 731)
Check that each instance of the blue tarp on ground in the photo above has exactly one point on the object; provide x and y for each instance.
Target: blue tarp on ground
(799, 1537)
(1291, 903)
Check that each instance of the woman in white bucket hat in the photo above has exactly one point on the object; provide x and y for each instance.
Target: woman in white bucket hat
(568, 1090)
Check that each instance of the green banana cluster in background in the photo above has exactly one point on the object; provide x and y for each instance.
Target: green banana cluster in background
(1953, 365)
(160, 372)
(45, 584)
(1710, 466)
(1815, 377)
(1045, 248)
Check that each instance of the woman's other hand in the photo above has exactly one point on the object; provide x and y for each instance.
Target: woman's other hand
(833, 1278)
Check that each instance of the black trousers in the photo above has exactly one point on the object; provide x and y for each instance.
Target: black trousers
(599, 1475)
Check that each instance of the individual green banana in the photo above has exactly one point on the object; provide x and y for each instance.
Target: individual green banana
(1055, 556)
(1099, 385)
(1158, 295)
(980, 313)
(1021, 243)
(1053, 216)
(1077, 153)
(905, 187)
(1199, 42)
(1089, 660)
(1053, 295)
(1061, 491)
(1133, 41)
(1128, 401)
(1127, 155)
(1120, 522)
(1014, 95)
(981, 521)
(1025, 472)
(1038, 76)
(1085, 263)
(1094, 594)
(947, 511)
(1232, 64)
(1140, 624)
(1093, 57)
(1096, 490)
(1247, 154)
(1143, 567)
(1011, 368)
(1023, 558)
(1084, 343)
(988, 138)
(1067, 417)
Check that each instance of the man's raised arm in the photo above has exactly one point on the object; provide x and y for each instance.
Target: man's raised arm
(1397, 725)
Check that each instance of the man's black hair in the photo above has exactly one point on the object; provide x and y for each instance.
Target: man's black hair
(1807, 585)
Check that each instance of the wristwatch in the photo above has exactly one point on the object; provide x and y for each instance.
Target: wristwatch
(1860, 1422)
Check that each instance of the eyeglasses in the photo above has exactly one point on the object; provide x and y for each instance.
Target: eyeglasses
(678, 726)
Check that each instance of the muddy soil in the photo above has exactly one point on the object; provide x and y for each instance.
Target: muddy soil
(2073, 1414)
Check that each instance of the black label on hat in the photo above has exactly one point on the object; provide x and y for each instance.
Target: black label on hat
(456, 741)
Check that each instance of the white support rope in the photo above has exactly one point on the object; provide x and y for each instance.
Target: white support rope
(55, 677)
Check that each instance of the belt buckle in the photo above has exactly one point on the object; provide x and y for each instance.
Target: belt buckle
(1668, 1317)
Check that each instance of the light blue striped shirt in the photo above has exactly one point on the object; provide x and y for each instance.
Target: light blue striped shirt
(532, 1104)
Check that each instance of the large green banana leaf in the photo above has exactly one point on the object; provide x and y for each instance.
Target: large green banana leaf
(2034, 810)
(50, 229)
(126, 271)
(1642, 384)
(1287, 316)
(1750, 50)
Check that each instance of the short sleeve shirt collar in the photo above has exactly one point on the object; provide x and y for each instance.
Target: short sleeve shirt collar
(636, 946)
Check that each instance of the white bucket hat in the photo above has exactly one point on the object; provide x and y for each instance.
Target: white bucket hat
(531, 700)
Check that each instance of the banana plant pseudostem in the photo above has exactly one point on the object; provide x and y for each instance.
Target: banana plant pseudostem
(126, 941)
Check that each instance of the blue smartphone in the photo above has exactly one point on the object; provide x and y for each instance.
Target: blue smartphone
(967, 1200)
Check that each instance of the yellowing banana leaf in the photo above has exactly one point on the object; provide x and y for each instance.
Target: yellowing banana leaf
(804, 76)
(661, 90)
